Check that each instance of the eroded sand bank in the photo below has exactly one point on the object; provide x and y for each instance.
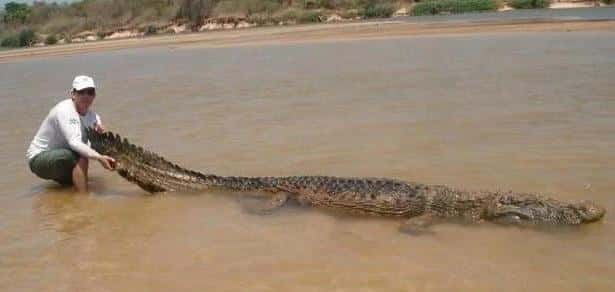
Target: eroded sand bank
(309, 33)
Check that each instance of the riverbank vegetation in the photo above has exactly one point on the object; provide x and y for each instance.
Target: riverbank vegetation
(529, 4)
(44, 23)
(432, 7)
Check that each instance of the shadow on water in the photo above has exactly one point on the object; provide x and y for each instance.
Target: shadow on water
(63, 211)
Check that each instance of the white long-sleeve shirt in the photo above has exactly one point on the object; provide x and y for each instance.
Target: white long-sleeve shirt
(63, 128)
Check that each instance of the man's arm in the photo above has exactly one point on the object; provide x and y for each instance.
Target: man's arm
(70, 126)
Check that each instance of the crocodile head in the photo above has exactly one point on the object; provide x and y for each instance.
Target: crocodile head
(589, 212)
(535, 210)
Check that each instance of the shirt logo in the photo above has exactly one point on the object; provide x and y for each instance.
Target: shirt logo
(73, 121)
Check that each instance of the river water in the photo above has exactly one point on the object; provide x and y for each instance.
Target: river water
(521, 15)
(528, 112)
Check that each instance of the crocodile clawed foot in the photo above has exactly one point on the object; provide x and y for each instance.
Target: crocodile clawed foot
(260, 206)
(418, 225)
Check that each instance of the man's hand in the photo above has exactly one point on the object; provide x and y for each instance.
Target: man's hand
(107, 162)
(98, 127)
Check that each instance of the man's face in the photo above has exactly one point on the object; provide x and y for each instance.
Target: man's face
(83, 99)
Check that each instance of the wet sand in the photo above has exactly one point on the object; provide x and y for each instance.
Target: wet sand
(311, 33)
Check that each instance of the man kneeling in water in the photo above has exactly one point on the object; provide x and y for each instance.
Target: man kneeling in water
(59, 151)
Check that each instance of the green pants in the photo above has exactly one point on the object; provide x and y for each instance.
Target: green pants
(56, 164)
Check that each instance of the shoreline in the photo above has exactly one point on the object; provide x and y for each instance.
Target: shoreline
(310, 33)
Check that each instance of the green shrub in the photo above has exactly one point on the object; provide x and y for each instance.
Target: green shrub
(314, 4)
(16, 12)
(61, 24)
(380, 10)
(260, 19)
(150, 30)
(529, 4)
(24, 38)
(286, 15)
(11, 41)
(27, 37)
(51, 40)
(433, 7)
(262, 6)
(246, 7)
(350, 13)
(225, 7)
(347, 4)
(297, 15)
(309, 16)
(101, 34)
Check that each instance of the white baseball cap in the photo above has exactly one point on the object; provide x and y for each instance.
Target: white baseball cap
(81, 82)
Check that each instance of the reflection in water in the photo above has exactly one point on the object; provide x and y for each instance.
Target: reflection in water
(526, 112)
(63, 213)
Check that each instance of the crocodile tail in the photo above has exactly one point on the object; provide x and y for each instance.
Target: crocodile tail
(147, 169)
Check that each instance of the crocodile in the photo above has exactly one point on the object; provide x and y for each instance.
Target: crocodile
(422, 205)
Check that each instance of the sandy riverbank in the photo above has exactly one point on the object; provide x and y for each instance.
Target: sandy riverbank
(308, 33)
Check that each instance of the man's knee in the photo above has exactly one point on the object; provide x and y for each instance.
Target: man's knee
(54, 164)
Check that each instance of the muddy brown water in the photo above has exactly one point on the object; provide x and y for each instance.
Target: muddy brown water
(526, 112)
